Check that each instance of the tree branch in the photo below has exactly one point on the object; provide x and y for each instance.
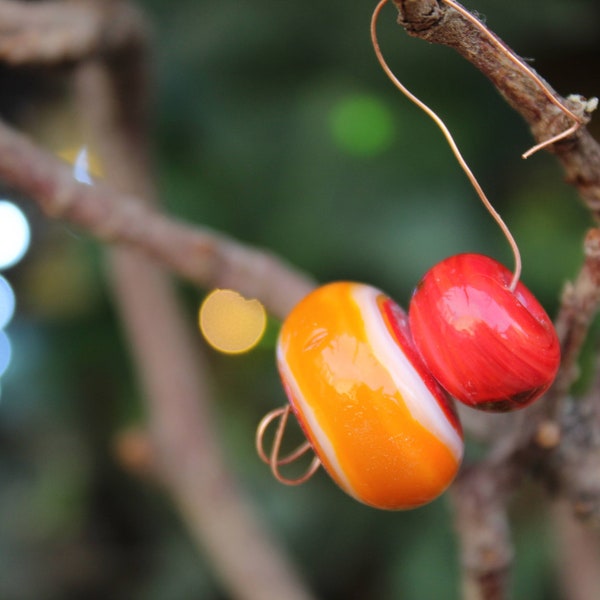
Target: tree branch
(482, 527)
(563, 446)
(558, 441)
(436, 22)
(55, 31)
(112, 97)
(203, 256)
(579, 306)
(578, 555)
(559, 444)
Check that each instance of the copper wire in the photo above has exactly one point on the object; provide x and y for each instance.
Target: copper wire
(272, 458)
(440, 123)
(455, 150)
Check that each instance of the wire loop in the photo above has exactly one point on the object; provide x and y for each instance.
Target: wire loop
(273, 459)
(453, 146)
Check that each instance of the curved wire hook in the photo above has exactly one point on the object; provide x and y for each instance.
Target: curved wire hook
(273, 459)
(578, 121)
(459, 157)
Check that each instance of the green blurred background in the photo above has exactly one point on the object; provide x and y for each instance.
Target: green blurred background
(274, 123)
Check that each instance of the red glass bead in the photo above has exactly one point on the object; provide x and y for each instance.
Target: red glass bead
(489, 347)
(380, 424)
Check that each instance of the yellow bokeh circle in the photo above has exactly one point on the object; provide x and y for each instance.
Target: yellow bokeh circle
(230, 323)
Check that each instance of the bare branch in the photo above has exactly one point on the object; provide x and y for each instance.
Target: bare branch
(579, 306)
(481, 524)
(558, 441)
(56, 31)
(205, 257)
(572, 470)
(578, 555)
(561, 445)
(435, 22)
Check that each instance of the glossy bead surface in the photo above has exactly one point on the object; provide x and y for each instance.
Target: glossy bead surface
(489, 347)
(380, 424)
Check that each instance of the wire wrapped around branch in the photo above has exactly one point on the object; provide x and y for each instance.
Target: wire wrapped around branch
(437, 23)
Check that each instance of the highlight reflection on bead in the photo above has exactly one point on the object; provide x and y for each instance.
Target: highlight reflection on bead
(379, 423)
(488, 346)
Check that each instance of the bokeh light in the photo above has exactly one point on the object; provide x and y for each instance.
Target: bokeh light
(7, 302)
(5, 352)
(230, 323)
(14, 234)
(362, 125)
(86, 165)
(81, 169)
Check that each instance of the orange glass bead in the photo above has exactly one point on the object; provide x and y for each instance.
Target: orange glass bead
(380, 424)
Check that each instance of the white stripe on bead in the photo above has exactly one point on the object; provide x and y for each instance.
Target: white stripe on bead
(419, 400)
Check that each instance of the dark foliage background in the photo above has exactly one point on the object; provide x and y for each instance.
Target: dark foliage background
(273, 123)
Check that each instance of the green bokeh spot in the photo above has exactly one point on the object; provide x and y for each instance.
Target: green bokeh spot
(362, 125)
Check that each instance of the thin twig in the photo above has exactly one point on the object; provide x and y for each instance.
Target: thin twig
(481, 523)
(579, 306)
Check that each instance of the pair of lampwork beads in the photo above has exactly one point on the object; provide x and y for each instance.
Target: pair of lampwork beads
(372, 386)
